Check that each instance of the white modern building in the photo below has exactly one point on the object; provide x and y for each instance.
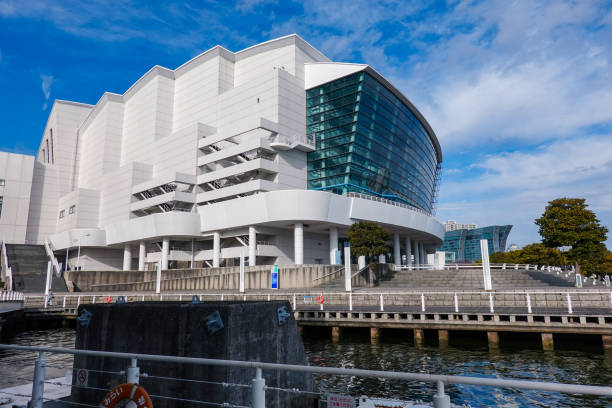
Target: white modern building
(271, 153)
(454, 225)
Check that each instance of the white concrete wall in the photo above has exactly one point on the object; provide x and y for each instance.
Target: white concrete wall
(16, 170)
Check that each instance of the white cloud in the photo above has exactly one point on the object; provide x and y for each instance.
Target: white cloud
(46, 82)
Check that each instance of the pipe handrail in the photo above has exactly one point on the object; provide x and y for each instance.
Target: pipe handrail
(329, 274)
(433, 378)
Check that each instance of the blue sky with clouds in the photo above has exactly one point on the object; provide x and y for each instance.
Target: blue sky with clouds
(519, 92)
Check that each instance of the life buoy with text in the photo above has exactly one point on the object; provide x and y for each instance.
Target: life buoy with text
(320, 299)
(124, 394)
(108, 299)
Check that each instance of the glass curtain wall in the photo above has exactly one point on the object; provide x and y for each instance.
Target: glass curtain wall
(369, 142)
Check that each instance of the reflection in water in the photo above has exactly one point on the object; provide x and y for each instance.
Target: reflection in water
(396, 353)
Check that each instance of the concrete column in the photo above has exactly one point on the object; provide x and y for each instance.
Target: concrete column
(142, 255)
(419, 336)
(397, 255)
(443, 338)
(417, 256)
(252, 246)
(422, 256)
(408, 251)
(374, 334)
(333, 245)
(192, 261)
(165, 251)
(298, 243)
(606, 340)
(547, 342)
(336, 333)
(216, 249)
(493, 338)
(127, 257)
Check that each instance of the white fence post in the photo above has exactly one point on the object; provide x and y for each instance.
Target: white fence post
(491, 302)
(528, 303)
(38, 385)
(351, 301)
(569, 304)
(486, 267)
(422, 302)
(382, 307)
(456, 304)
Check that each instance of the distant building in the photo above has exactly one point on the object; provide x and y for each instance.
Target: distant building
(513, 247)
(453, 226)
(465, 243)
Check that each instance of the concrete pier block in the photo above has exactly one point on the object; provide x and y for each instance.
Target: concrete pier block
(547, 342)
(493, 338)
(336, 333)
(443, 338)
(374, 334)
(606, 339)
(419, 336)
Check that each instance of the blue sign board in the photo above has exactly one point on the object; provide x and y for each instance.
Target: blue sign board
(274, 277)
(578, 280)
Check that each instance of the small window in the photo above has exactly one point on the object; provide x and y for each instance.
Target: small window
(72, 209)
(62, 213)
(1, 182)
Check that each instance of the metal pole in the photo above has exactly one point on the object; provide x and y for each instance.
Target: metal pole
(294, 303)
(441, 400)
(382, 306)
(351, 301)
(38, 385)
(569, 304)
(258, 392)
(491, 302)
(158, 278)
(67, 253)
(241, 271)
(78, 256)
(422, 302)
(133, 372)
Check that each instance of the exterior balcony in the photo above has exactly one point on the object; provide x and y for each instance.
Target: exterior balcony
(303, 144)
(236, 190)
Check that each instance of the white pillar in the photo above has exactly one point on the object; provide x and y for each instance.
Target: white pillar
(417, 255)
(347, 269)
(333, 245)
(361, 262)
(252, 246)
(142, 254)
(397, 256)
(192, 263)
(298, 243)
(127, 257)
(408, 251)
(216, 249)
(165, 251)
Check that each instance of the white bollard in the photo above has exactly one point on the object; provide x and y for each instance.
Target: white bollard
(569, 304)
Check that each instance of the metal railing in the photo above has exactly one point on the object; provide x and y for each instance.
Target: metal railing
(597, 301)
(11, 296)
(6, 268)
(385, 201)
(258, 384)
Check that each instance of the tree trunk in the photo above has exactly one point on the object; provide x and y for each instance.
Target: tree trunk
(577, 266)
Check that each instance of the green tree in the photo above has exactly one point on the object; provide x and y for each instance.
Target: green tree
(533, 254)
(368, 239)
(568, 222)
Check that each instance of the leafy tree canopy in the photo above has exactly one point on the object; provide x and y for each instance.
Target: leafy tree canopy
(368, 239)
(568, 222)
(533, 254)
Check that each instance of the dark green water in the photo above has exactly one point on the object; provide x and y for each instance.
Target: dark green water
(575, 360)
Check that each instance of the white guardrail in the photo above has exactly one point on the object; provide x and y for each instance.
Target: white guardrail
(11, 296)
(258, 384)
(600, 301)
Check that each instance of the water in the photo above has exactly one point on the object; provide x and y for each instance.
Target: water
(519, 358)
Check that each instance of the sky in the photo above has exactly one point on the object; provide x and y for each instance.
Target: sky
(518, 92)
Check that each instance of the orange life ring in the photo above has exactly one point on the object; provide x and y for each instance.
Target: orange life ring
(127, 392)
(321, 299)
(108, 299)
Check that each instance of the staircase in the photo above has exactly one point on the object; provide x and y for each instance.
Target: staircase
(471, 279)
(29, 266)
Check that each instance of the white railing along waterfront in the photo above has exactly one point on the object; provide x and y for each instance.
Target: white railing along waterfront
(6, 269)
(258, 384)
(594, 302)
(385, 201)
(49, 250)
(11, 296)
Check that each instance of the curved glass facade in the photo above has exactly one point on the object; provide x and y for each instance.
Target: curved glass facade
(465, 244)
(369, 142)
